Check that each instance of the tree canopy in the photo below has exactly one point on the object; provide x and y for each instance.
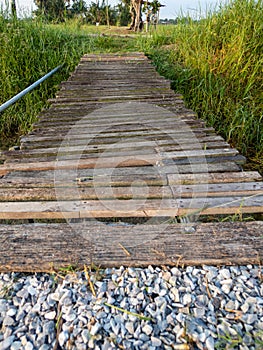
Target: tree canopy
(99, 11)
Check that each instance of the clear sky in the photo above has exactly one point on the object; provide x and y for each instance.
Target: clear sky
(172, 8)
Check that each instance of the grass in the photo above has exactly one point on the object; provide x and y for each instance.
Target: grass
(29, 50)
(216, 63)
(229, 342)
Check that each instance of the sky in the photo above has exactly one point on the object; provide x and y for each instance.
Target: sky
(172, 9)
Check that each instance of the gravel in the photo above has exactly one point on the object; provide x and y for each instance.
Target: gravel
(134, 308)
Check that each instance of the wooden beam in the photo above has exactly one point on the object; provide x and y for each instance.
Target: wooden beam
(45, 247)
(111, 208)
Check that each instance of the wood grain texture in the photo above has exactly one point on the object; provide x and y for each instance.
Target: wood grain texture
(113, 208)
(118, 142)
(45, 247)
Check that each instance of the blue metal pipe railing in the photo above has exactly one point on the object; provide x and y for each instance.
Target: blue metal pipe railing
(28, 89)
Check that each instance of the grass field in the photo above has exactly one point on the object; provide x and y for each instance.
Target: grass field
(216, 63)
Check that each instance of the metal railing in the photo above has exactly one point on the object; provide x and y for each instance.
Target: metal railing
(28, 89)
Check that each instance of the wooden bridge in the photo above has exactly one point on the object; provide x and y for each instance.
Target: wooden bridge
(119, 171)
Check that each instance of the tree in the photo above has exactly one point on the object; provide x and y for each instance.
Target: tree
(136, 15)
(13, 8)
(151, 8)
(101, 13)
(52, 10)
(79, 7)
(124, 15)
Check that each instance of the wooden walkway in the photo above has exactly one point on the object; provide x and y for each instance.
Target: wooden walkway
(130, 169)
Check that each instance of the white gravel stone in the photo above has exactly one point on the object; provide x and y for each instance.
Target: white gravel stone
(16, 345)
(147, 329)
(210, 343)
(130, 327)
(62, 338)
(95, 328)
(50, 315)
(29, 346)
(8, 321)
(156, 342)
(11, 312)
(197, 300)
(5, 344)
(175, 294)
(187, 299)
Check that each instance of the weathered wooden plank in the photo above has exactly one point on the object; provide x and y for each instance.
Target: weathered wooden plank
(54, 114)
(94, 193)
(122, 97)
(131, 208)
(89, 163)
(82, 179)
(113, 125)
(137, 190)
(162, 100)
(190, 179)
(109, 86)
(100, 141)
(43, 248)
(74, 158)
(135, 91)
(118, 161)
(121, 82)
(49, 154)
(219, 189)
(117, 130)
(3, 172)
(72, 137)
(122, 177)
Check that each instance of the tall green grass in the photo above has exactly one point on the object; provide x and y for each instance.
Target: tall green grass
(29, 50)
(217, 64)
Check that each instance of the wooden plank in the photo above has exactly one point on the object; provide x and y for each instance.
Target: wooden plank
(237, 159)
(118, 176)
(89, 163)
(139, 190)
(58, 114)
(132, 208)
(133, 90)
(99, 141)
(52, 154)
(123, 116)
(108, 86)
(3, 172)
(45, 247)
(77, 134)
(218, 189)
(124, 97)
(163, 145)
(116, 124)
(118, 161)
(121, 82)
(82, 193)
(190, 179)
(88, 179)
(167, 100)
(179, 157)
(88, 138)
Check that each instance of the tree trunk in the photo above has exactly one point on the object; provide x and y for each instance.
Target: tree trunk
(13, 8)
(136, 13)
